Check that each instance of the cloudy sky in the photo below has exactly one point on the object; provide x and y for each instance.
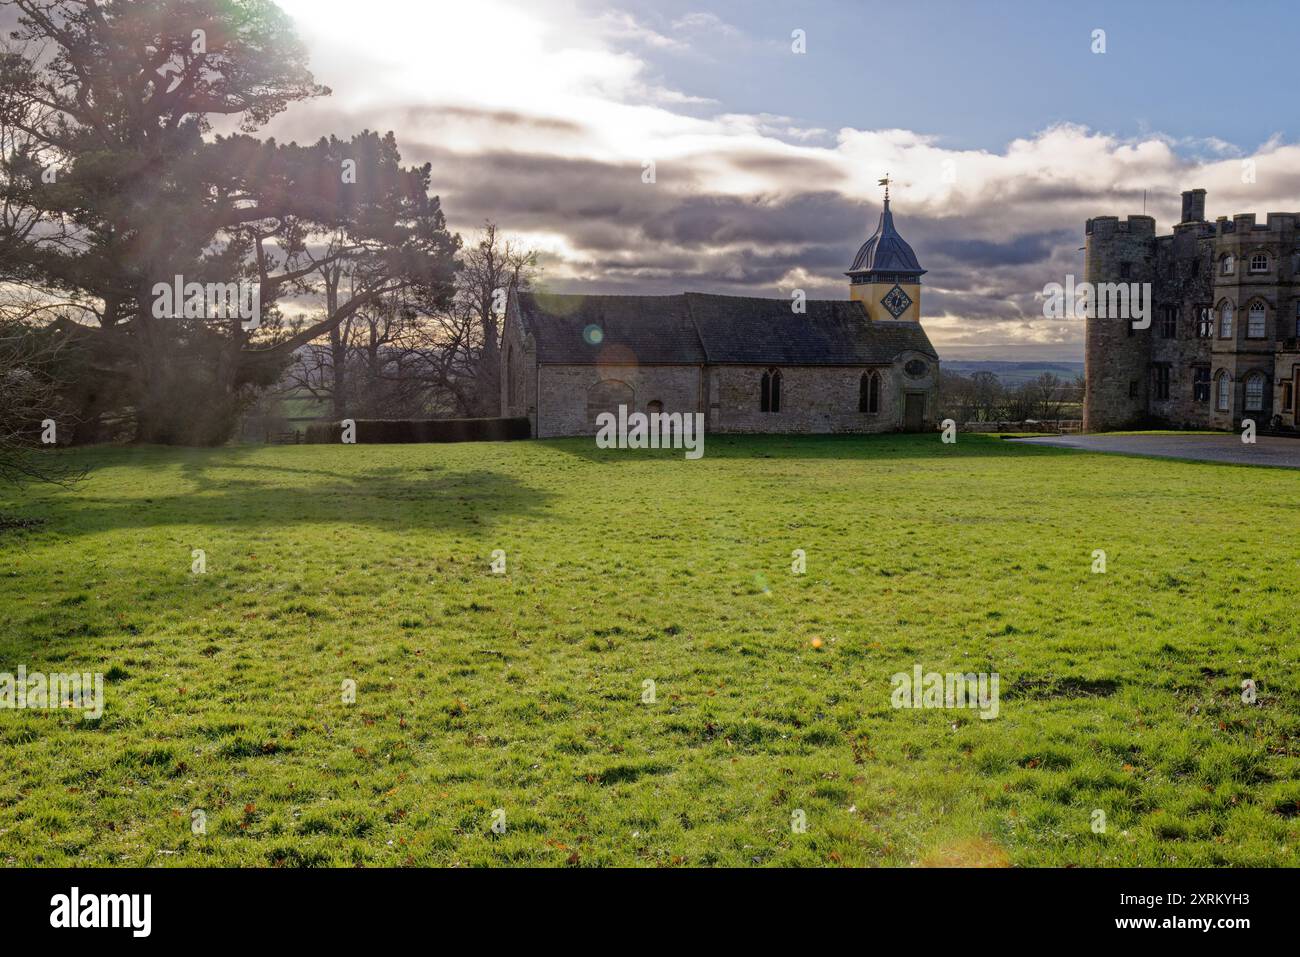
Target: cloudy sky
(1002, 127)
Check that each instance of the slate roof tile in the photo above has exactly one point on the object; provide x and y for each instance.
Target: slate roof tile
(699, 329)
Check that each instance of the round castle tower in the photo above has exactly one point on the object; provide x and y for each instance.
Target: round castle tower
(1117, 357)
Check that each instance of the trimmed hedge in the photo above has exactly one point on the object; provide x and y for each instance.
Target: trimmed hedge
(389, 431)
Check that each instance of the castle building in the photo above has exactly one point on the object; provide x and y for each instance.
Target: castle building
(1224, 339)
(862, 364)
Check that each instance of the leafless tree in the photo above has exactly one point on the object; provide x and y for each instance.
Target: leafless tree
(402, 357)
(31, 406)
(492, 268)
(1049, 395)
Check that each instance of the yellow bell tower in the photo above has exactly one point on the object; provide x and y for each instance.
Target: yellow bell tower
(885, 276)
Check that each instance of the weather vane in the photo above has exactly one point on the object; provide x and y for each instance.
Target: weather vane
(885, 183)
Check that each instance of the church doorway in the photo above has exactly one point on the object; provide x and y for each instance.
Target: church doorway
(914, 411)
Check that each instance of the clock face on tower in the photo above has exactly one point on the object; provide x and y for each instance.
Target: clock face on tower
(896, 301)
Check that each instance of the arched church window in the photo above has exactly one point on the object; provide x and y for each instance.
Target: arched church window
(869, 393)
(770, 398)
(1229, 264)
(1225, 321)
(1223, 392)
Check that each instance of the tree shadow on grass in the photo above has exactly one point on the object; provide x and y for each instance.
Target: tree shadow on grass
(273, 496)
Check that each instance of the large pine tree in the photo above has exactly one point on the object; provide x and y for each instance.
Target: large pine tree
(113, 182)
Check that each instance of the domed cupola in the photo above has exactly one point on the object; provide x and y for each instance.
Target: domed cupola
(886, 275)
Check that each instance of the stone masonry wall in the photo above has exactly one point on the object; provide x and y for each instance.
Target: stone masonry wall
(815, 399)
(519, 378)
(564, 389)
(1184, 281)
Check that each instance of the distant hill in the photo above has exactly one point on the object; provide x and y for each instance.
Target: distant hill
(1014, 373)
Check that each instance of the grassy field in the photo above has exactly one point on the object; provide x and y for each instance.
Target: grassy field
(1120, 692)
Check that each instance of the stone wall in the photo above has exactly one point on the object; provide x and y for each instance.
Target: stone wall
(814, 399)
(1241, 355)
(564, 392)
(1184, 281)
(1287, 372)
(519, 376)
(817, 399)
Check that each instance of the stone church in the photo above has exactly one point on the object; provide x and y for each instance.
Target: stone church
(1223, 343)
(861, 364)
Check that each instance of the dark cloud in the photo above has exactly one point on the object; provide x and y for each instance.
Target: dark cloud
(424, 116)
(800, 219)
(1016, 251)
(802, 169)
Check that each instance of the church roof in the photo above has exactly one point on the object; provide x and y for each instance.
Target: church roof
(886, 251)
(747, 331)
(699, 329)
(573, 330)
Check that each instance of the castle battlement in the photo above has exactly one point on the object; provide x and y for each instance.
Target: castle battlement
(1245, 223)
(1104, 227)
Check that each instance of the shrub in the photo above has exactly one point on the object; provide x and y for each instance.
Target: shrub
(389, 431)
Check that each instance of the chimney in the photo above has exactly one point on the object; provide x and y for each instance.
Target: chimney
(1194, 206)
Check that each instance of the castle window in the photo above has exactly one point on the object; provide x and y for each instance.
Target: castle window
(1259, 262)
(1223, 392)
(1201, 384)
(1255, 323)
(1255, 392)
(869, 393)
(1169, 322)
(1132, 388)
(1225, 321)
(1160, 380)
(770, 399)
(1205, 324)
(1229, 265)
(1288, 395)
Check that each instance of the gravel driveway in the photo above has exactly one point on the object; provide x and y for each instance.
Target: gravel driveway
(1267, 450)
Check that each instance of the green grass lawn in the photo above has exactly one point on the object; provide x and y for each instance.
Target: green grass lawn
(1120, 692)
